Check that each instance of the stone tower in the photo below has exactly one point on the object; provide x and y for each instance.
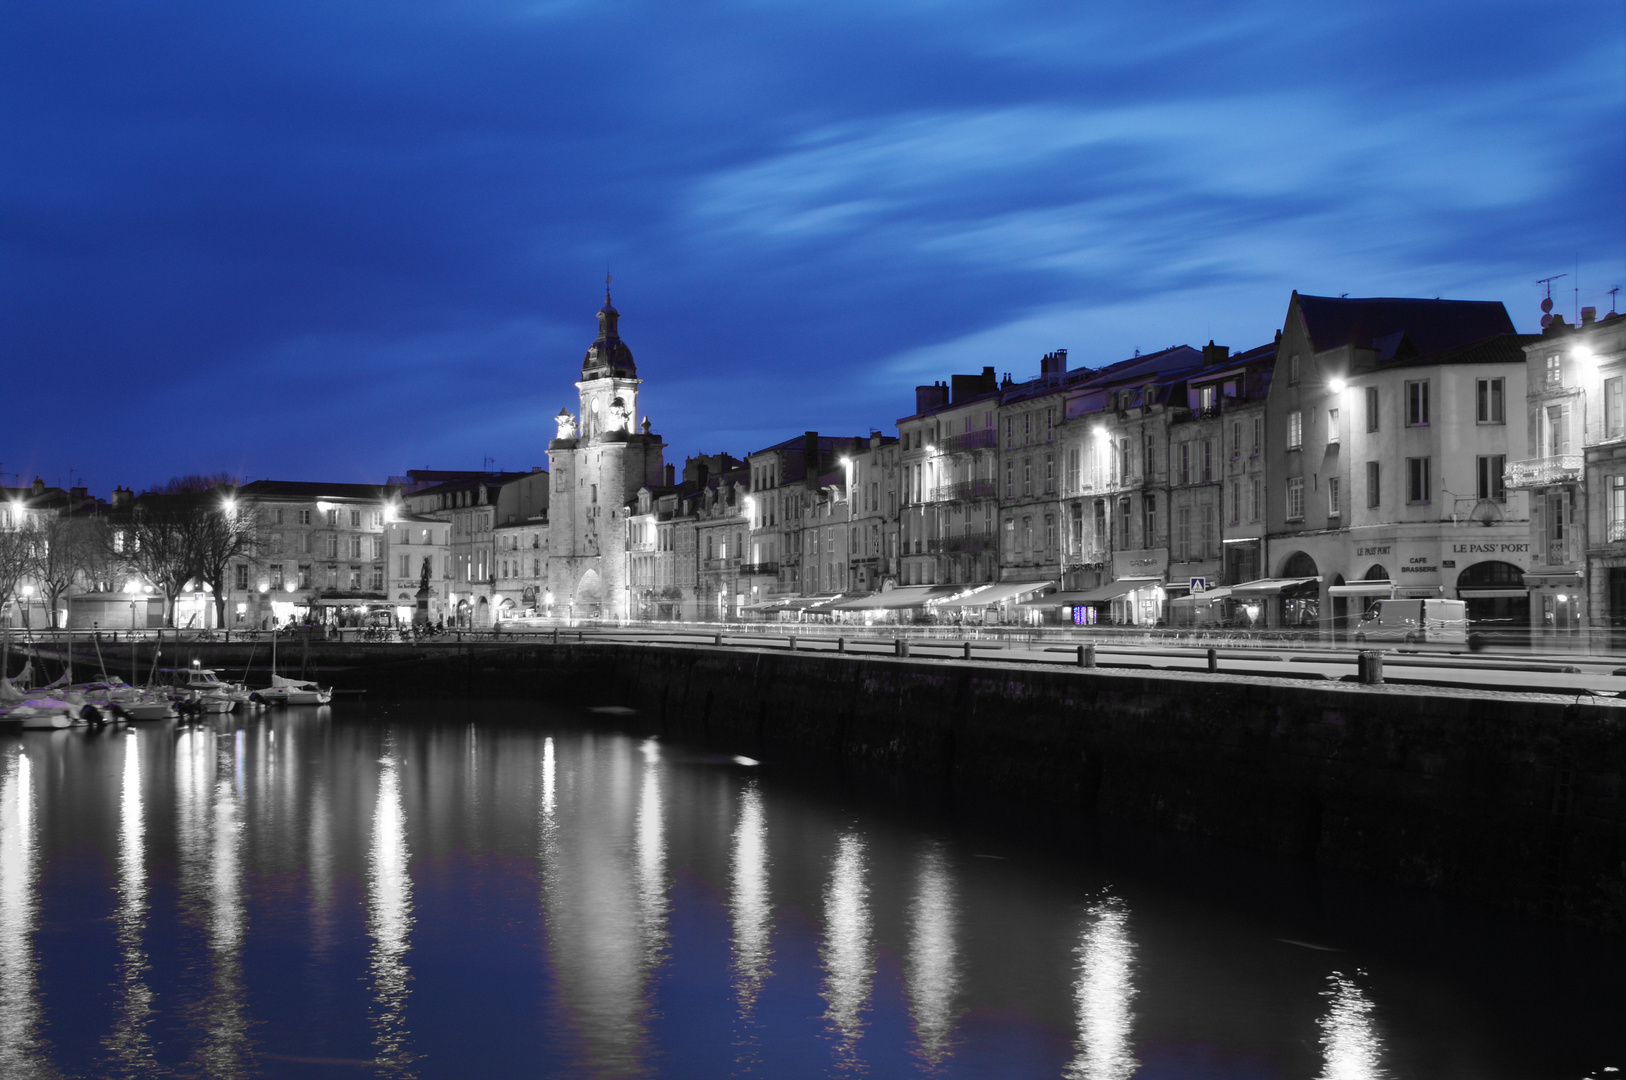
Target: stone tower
(598, 460)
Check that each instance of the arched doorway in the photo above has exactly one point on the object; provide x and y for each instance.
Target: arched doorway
(1376, 572)
(589, 597)
(1495, 593)
(482, 613)
(1301, 602)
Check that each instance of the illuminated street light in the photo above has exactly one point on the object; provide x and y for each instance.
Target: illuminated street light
(1336, 385)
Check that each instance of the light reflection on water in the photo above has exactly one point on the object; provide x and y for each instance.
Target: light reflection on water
(389, 922)
(1104, 992)
(847, 953)
(308, 896)
(20, 1047)
(130, 1046)
(934, 970)
(1349, 1037)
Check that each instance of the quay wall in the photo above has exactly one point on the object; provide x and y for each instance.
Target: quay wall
(1514, 799)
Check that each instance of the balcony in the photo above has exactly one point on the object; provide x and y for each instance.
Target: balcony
(1617, 531)
(967, 542)
(764, 569)
(985, 439)
(1542, 472)
(965, 489)
(1186, 416)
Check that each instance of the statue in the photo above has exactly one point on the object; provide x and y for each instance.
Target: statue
(420, 617)
(567, 425)
(619, 419)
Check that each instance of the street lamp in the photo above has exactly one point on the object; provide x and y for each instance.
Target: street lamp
(1336, 385)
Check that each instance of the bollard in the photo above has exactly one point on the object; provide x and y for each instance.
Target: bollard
(900, 647)
(556, 635)
(790, 643)
(1086, 657)
(968, 650)
(718, 640)
(1213, 659)
(841, 644)
(1370, 663)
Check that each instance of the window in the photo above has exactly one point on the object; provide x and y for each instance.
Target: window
(406, 566)
(1612, 421)
(1151, 455)
(278, 516)
(1256, 500)
(1050, 473)
(1207, 543)
(333, 547)
(1417, 480)
(1555, 370)
(1123, 523)
(1374, 496)
(1295, 498)
(1123, 448)
(1617, 508)
(1072, 469)
(355, 519)
(1149, 507)
(355, 547)
(1490, 401)
(1558, 430)
(1182, 534)
(1258, 435)
(1332, 426)
(333, 519)
(1236, 503)
(377, 579)
(1205, 398)
(1236, 439)
(242, 575)
(1027, 476)
(304, 517)
(1490, 470)
(1050, 532)
(1010, 480)
(1295, 429)
(1208, 460)
(1417, 403)
(1333, 507)
(1185, 463)
(1008, 423)
(1027, 428)
(304, 571)
(1293, 370)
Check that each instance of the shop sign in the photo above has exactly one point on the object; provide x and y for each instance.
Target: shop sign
(1490, 549)
(1372, 551)
(1148, 562)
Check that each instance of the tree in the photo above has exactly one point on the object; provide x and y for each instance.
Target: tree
(69, 552)
(19, 540)
(229, 532)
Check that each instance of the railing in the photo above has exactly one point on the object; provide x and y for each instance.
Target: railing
(966, 489)
(770, 569)
(1540, 472)
(972, 440)
(1185, 416)
(1617, 530)
(972, 541)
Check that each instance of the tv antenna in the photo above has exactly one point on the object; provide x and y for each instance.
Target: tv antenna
(1547, 301)
(1612, 293)
(490, 462)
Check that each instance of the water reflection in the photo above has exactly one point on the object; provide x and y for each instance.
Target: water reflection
(21, 1050)
(748, 901)
(933, 975)
(847, 952)
(1103, 994)
(129, 1046)
(1349, 1038)
(604, 896)
(389, 922)
(224, 1049)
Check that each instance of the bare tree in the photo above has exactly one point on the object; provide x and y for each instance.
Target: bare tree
(69, 549)
(19, 540)
(229, 533)
(160, 543)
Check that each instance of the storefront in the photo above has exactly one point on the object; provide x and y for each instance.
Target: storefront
(904, 604)
(1496, 594)
(1556, 600)
(992, 604)
(1125, 602)
(1211, 607)
(1280, 603)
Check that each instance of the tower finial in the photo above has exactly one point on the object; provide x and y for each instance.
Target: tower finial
(606, 284)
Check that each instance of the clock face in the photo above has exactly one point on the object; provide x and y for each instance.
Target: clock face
(595, 404)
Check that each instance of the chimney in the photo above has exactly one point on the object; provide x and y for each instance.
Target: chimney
(1589, 315)
(1054, 363)
(37, 487)
(670, 478)
(810, 457)
(123, 498)
(1215, 354)
(79, 492)
(930, 397)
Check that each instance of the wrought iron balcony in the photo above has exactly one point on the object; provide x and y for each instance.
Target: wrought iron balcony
(1541, 472)
(966, 489)
(969, 542)
(770, 569)
(985, 439)
(1617, 531)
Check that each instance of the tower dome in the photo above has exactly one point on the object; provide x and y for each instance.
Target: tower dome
(608, 356)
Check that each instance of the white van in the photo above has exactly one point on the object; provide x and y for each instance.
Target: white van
(1415, 622)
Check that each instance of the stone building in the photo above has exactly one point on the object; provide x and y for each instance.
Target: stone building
(473, 504)
(1575, 416)
(1387, 436)
(598, 461)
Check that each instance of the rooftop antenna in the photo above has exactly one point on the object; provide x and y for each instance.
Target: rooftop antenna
(1612, 293)
(1547, 301)
(489, 462)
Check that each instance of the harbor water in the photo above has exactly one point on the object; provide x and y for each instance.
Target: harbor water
(434, 890)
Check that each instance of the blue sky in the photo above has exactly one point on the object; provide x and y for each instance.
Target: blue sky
(334, 241)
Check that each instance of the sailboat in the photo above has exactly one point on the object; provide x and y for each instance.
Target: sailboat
(284, 691)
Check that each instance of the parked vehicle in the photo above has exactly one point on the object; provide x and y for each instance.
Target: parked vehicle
(1415, 622)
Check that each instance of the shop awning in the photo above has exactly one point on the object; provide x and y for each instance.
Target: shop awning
(997, 594)
(904, 597)
(788, 603)
(1203, 597)
(1362, 588)
(1270, 586)
(1098, 595)
(1493, 594)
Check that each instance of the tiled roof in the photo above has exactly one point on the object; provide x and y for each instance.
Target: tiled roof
(1431, 325)
(1501, 349)
(310, 489)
